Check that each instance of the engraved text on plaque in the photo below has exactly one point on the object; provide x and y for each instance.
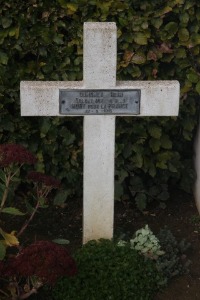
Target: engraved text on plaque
(99, 102)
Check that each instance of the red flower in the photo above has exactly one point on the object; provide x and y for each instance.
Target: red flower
(46, 260)
(44, 179)
(15, 154)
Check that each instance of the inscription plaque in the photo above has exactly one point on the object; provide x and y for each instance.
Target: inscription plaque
(99, 102)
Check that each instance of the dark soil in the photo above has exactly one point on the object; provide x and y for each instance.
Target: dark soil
(180, 216)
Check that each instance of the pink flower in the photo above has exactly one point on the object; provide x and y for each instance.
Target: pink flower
(45, 260)
(15, 154)
(44, 179)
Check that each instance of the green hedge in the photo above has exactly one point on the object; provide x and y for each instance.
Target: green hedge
(42, 40)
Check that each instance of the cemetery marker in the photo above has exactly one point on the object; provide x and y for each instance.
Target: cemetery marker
(99, 98)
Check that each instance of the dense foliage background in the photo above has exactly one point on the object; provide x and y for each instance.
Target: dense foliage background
(42, 40)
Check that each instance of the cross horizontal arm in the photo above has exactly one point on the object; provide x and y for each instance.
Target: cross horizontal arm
(158, 98)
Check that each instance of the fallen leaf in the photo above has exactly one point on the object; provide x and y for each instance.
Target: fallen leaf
(9, 238)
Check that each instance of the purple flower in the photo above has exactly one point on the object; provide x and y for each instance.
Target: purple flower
(43, 259)
(15, 154)
(48, 181)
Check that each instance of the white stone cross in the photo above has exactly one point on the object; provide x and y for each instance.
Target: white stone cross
(157, 98)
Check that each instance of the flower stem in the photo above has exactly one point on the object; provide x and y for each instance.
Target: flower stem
(29, 220)
(34, 290)
(5, 193)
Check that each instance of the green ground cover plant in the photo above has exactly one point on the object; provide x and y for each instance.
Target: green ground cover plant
(107, 271)
(134, 269)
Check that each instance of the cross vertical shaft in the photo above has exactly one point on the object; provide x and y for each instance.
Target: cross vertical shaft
(99, 72)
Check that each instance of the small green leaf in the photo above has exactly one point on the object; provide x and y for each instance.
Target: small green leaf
(137, 160)
(136, 182)
(154, 190)
(58, 39)
(166, 143)
(162, 205)
(171, 27)
(163, 196)
(140, 38)
(121, 175)
(154, 144)
(6, 22)
(138, 58)
(3, 58)
(183, 35)
(193, 77)
(163, 11)
(128, 150)
(61, 197)
(162, 165)
(157, 22)
(135, 72)
(180, 53)
(195, 39)
(172, 168)
(141, 201)
(155, 131)
(42, 201)
(61, 241)
(13, 211)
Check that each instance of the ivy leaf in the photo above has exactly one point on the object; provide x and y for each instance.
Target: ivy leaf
(71, 8)
(154, 144)
(171, 29)
(121, 175)
(136, 182)
(183, 35)
(128, 56)
(61, 197)
(162, 205)
(156, 22)
(6, 22)
(161, 165)
(138, 58)
(154, 190)
(140, 38)
(166, 143)
(155, 131)
(195, 39)
(58, 39)
(135, 72)
(180, 53)
(46, 125)
(138, 160)
(193, 77)
(172, 168)
(163, 11)
(128, 150)
(3, 58)
(184, 18)
(163, 196)
(141, 201)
